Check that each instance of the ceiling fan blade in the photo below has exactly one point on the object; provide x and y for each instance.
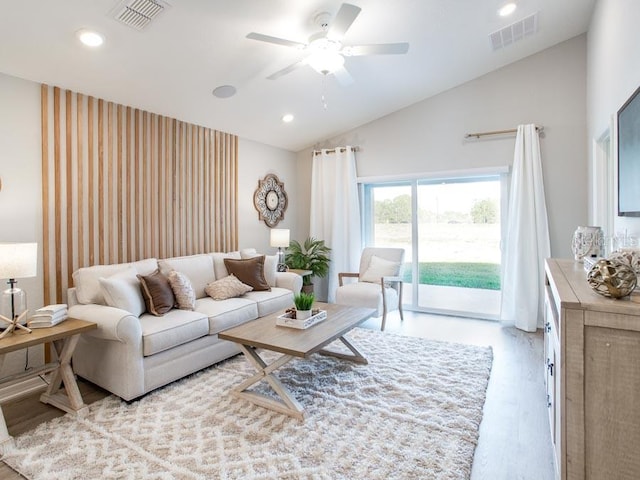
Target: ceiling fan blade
(286, 70)
(344, 18)
(376, 49)
(344, 77)
(276, 40)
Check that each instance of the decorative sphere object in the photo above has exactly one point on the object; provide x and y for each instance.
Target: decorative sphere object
(612, 278)
(628, 257)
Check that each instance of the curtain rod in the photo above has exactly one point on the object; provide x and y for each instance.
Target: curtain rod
(333, 150)
(540, 129)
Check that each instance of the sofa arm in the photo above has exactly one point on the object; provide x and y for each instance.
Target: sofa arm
(113, 323)
(289, 280)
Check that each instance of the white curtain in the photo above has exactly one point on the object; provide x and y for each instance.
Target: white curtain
(335, 211)
(527, 239)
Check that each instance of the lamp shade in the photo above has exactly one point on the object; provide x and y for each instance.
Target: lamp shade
(18, 260)
(279, 237)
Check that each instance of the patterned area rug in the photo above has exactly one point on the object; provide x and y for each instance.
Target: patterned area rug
(412, 413)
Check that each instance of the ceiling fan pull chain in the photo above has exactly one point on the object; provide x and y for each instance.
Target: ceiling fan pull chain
(322, 95)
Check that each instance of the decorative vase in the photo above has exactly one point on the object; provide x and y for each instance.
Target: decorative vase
(587, 242)
(612, 278)
(303, 314)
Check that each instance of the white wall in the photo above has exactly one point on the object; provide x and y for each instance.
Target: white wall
(21, 194)
(613, 72)
(256, 161)
(548, 89)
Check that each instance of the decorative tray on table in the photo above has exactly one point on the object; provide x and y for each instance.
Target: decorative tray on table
(288, 320)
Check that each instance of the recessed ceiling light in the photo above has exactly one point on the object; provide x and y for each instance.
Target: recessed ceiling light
(224, 91)
(90, 38)
(288, 118)
(507, 9)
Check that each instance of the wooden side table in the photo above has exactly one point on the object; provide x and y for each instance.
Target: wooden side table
(62, 391)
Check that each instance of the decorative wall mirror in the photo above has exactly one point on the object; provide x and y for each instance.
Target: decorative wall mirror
(270, 200)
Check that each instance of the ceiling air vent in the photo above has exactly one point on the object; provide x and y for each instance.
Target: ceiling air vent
(514, 32)
(138, 13)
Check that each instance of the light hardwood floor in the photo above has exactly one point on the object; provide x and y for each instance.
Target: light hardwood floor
(514, 439)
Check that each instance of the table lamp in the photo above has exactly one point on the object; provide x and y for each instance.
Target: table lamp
(280, 239)
(17, 260)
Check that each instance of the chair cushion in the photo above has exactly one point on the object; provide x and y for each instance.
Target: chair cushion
(174, 328)
(227, 287)
(379, 267)
(364, 294)
(183, 290)
(122, 290)
(157, 293)
(198, 268)
(249, 271)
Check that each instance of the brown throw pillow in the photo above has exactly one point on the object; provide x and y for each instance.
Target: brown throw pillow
(157, 293)
(249, 271)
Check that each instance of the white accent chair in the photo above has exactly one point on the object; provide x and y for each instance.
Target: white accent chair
(379, 284)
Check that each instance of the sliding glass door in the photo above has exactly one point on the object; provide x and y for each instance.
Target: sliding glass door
(451, 231)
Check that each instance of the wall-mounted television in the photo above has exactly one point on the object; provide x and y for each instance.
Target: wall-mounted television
(629, 157)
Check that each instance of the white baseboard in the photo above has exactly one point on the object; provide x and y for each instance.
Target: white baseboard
(26, 387)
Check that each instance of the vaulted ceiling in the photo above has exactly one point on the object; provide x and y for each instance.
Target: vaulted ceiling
(172, 65)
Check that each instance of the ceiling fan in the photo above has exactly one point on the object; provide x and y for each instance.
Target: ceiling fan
(325, 52)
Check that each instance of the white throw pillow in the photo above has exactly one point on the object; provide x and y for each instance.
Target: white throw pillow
(270, 264)
(227, 287)
(122, 290)
(183, 290)
(379, 267)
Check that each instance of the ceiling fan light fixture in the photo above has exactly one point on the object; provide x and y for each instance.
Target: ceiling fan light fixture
(325, 62)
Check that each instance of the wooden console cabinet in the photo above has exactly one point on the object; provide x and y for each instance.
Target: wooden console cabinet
(592, 363)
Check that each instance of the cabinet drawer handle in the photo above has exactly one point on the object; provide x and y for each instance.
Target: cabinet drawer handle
(547, 327)
(550, 367)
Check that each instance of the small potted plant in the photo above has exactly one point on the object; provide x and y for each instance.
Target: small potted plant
(303, 302)
(313, 256)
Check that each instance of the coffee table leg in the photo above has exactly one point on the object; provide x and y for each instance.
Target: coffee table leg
(288, 404)
(357, 357)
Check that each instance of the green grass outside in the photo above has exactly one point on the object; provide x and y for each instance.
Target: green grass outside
(451, 274)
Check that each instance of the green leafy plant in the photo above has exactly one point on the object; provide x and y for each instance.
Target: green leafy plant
(313, 255)
(304, 301)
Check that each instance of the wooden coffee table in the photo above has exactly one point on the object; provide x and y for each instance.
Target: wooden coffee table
(264, 333)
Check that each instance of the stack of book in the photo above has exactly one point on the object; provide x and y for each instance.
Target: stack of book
(48, 316)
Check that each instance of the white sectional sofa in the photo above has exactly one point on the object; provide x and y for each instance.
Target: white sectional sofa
(132, 353)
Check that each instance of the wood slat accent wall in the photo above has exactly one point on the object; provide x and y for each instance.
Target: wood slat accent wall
(120, 184)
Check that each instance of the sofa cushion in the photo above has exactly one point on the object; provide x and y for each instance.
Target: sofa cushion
(122, 290)
(218, 262)
(224, 314)
(276, 300)
(270, 265)
(227, 287)
(174, 328)
(86, 279)
(198, 268)
(249, 271)
(182, 289)
(157, 293)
